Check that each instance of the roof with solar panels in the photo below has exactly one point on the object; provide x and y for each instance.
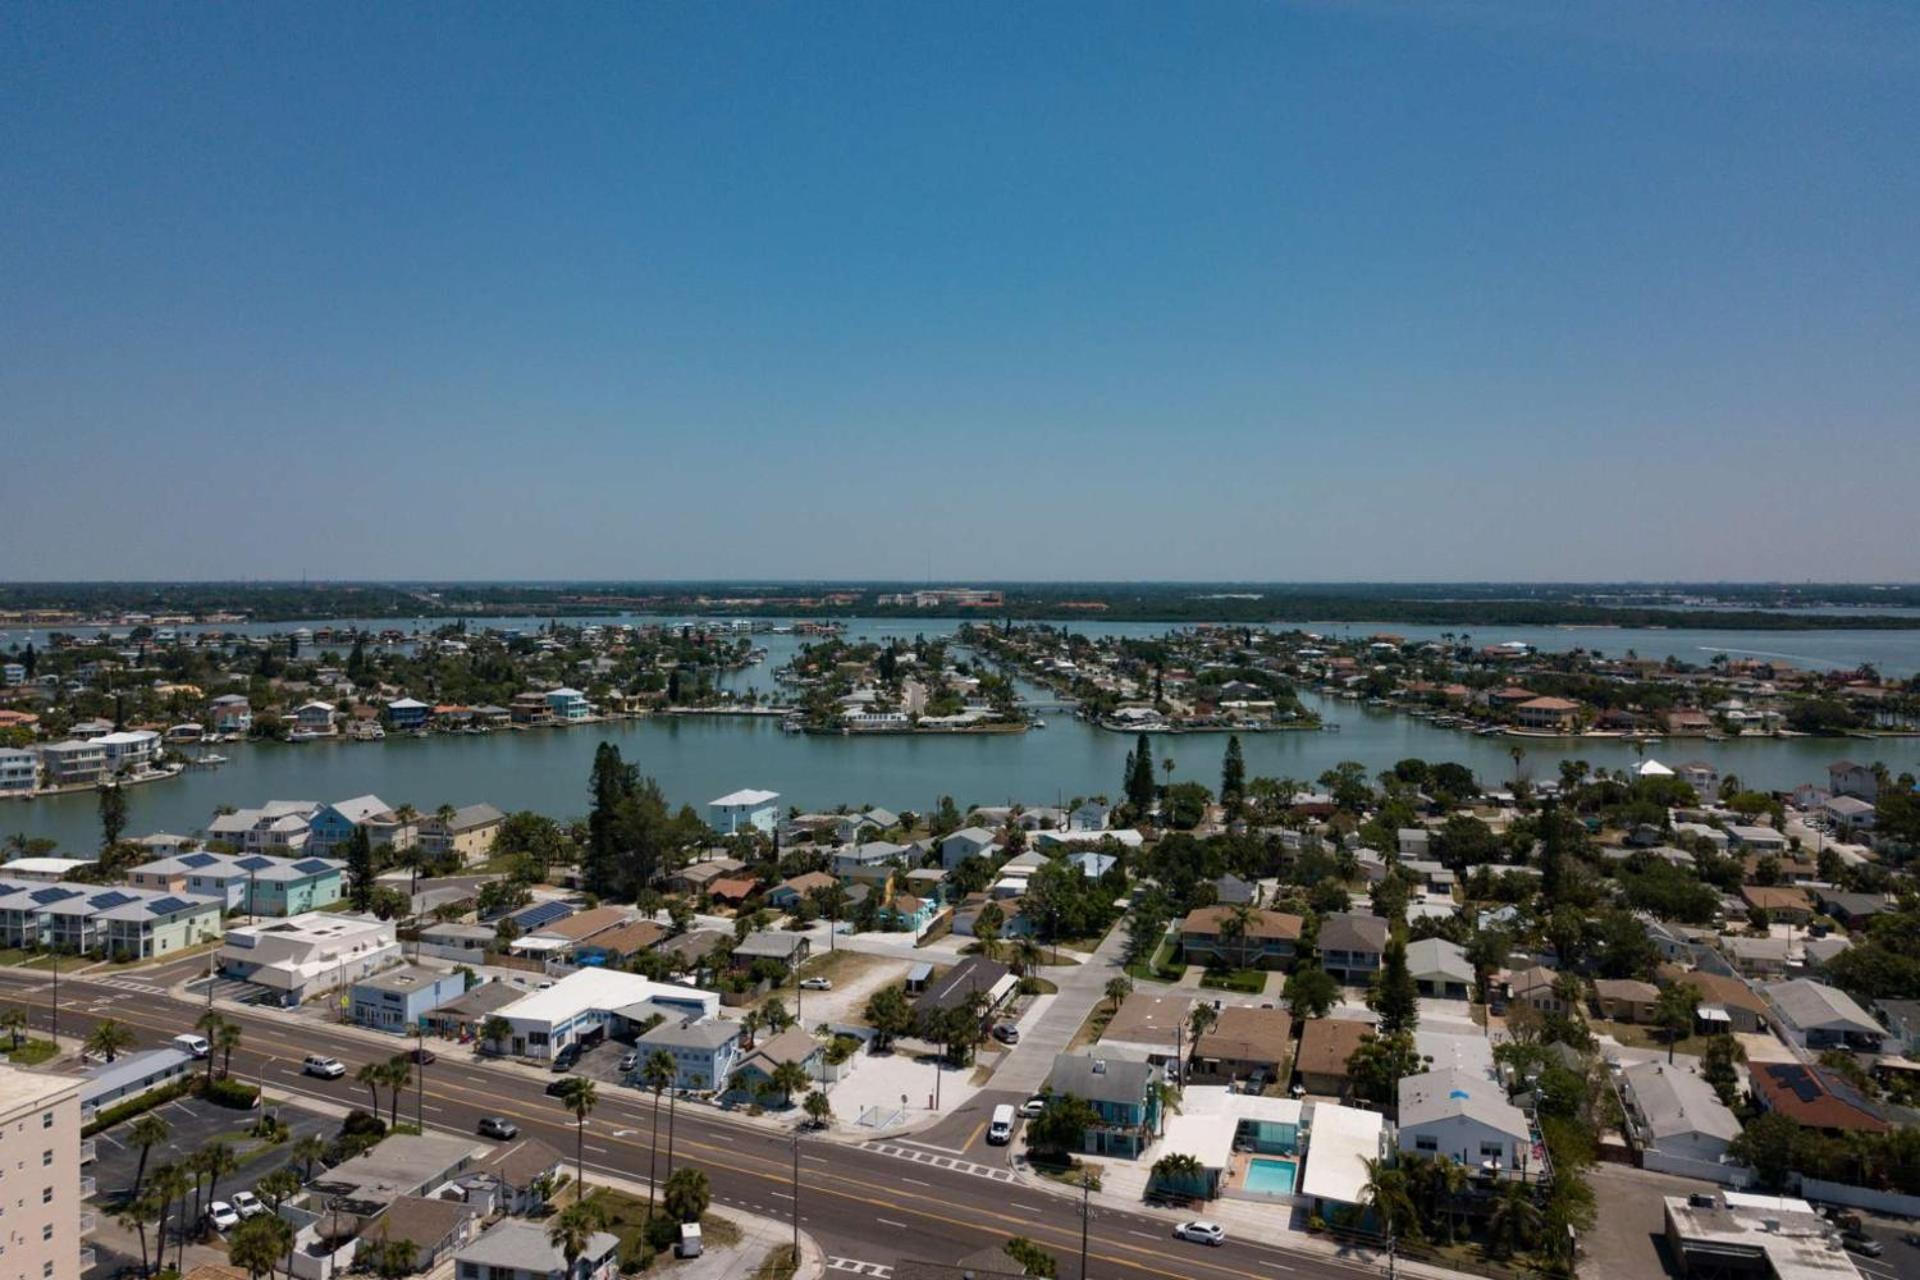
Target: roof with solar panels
(102, 901)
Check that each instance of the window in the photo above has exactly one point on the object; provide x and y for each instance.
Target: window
(46, 1119)
(46, 1271)
(46, 1195)
(46, 1158)
(1491, 1150)
(1426, 1144)
(46, 1232)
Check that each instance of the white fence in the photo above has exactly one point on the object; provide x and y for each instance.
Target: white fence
(1860, 1197)
(1729, 1175)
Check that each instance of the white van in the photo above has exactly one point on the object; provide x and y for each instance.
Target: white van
(1000, 1132)
(195, 1045)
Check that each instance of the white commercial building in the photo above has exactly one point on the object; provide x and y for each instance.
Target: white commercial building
(307, 954)
(588, 1004)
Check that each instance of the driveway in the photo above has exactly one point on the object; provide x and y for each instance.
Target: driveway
(1628, 1241)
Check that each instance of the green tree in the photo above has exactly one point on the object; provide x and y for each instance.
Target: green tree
(1675, 1011)
(787, 1077)
(574, 1227)
(1717, 1066)
(658, 1074)
(1378, 1063)
(1310, 991)
(113, 814)
(1062, 1127)
(1393, 995)
(372, 1075)
(1767, 1146)
(890, 1016)
(308, 1148)
(1386, 1193)
(360, 869)
(1515, 1221)
(109, 1038)
(278, 1187)
(1031, 1258)
(1140, 788)
(148, 1132)
(1233, 777)
(139, 1213)
(257, 1244)
(1118, 989)
(687, 1194)
(13, 1020)
(818, 1108)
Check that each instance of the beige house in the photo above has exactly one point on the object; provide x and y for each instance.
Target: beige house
(1626, 999)
(468, 833)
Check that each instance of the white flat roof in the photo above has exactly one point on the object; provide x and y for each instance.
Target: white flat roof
(596, 988)
(1344, 1138)
(1207, 1138)
(746, 797)
(44, 866)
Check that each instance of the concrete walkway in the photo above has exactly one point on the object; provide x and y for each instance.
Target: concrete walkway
(1049, 1030)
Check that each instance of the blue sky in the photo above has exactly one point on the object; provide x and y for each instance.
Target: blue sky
(1363, 290)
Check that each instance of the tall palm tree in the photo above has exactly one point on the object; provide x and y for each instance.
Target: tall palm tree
(108, 1038)
(1385, 1192)
(573, 1228)
(138, 1214)
(1514, 1222)
(372, 1075)
(658, 1073)
(396, 1072)
(226, 1038)
(209, 1024)
(1118, 989)
(220, 1162)
(789, 1076)
(307, 1148)
(1451, 1178)
(13, 1021)
(409, 853)
(169, 1188)
(148, 1132)
(578, 1095)
(1027, 954)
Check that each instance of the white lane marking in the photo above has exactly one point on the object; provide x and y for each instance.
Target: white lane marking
(600, 1150)
(917, 1182)
(784, 1195)
(1143, 1235)
(889, 1222)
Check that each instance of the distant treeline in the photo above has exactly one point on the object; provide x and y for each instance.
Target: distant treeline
(1463, 605)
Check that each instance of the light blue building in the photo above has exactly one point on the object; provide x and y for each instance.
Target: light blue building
(746, 810)
(398, 999)
(253, 883)
(704, 1053)
(408, 713)
(335, 824)
(568, 704)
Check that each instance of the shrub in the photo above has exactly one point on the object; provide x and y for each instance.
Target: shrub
(134, 1106)
(228, 1092)
(662, 1232)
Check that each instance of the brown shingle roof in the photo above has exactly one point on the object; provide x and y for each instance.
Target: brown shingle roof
(584, 924)
(1327, 1043)
(1263, 924)
(636, 935)
(1246, 1034)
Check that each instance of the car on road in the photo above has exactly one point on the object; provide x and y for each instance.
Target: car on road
(422, 1057)
(630, 1062)
(556, 1088)
(567, 1059)
(247, 1204)
(318, 1064)
(221, 1216)
(1201, 1232)
(1032, 1107)
(816, 984)
(1912, 1238)
(1007, 1033)
(1861, 1243)
(498, 1127)
(193, 1044)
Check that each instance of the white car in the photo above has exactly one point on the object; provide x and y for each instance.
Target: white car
(816, 984)
(324, 1067)
(247, 1204)
(1201, 1233)
(222, 1216)
(1032, 1107)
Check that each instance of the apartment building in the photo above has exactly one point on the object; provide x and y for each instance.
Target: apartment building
(41, 1189)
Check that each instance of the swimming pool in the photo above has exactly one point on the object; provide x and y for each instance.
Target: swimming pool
(1270, 1177)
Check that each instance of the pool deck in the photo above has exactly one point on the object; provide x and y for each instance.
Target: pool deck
(1234, 1182)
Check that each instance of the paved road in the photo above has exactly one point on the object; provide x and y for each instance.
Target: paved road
(869, 1205)
(1081, 987)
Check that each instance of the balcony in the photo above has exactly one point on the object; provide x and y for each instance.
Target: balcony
(88, 1258)
(87, 1188)
(88, 1221)
(88, 1151)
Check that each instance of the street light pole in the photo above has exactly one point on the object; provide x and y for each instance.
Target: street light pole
(420, 1079)
(56, 996)
(796, 1199)
(1086, 1208)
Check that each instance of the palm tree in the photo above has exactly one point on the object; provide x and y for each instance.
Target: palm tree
(407, 815)
(578, 1095)
(1385, 1192)
(139, 1214)
(278, 1187)
(789, 1076)
(108, 1038)
(1203, 1017)
(372, 1075)
(573, 1228)
(1118, 989)
(397, 1072)
(749, 1027)
(1517, 753)
(1450, 1178)
(148, 1132)
(1514, 1222)
(258, 1243)
(496, 1031)
(168, 1188)
(818, 1108)
(209, 1024)
(1027, 956)
(226, 1038)
(220, 1162)
(13, 1021)
(307, 1148)
(659, 1072)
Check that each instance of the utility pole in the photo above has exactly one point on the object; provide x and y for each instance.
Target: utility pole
(1086, 1208)
(56, 995)
(796, 1199)
(420, 1079)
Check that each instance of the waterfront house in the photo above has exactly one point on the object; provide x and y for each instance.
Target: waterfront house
(130, 751)
(746, 810)
(73, 763)
(406, 714)
(530, 708)
(19, 771)
(568, 705)
(1701, 776)
(1848, 813)
(1091, 815)
(468, 834)
(1351, 945)
(1557, 715)
(231, 713)
(315, 720)
(334, 825)
(279, 827)
(1124, 1095)
(1845, 778)
(1213, 936)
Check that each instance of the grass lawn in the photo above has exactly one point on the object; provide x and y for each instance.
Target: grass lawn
(32, 1053)
(779, 1264)
(627, 1218)
(1634, 1035)
(1094, 1027)
(839, 964)
(1248, 981)
(1160, 967)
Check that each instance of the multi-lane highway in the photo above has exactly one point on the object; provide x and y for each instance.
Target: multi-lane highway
(871, 1205)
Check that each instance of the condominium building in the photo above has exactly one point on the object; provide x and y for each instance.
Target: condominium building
(44, 1220)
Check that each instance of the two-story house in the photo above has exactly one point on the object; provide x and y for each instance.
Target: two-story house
(1350, 946)
(1217, 935)
(704, 1052)
(1124, 1095)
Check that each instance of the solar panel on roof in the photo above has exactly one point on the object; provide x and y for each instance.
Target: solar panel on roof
(51, 895)
(312, 865)
(542, 913)
(198, 860)
(110, 899)
(167, 906)
(256, 862)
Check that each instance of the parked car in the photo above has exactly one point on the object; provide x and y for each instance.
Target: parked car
(1201, 1232)
(1032, 1107)
(1864, 1245)
(422, 1057)
(630, 1062)
(1006, 1033)
(318, 1064)
(816, 984)
(567, 1059)
(222, 1217)
(498, 1127)
(247, 1204)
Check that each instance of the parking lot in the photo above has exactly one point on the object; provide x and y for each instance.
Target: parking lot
(194, 1124)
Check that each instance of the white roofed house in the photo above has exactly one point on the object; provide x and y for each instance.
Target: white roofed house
(1467, 1118)
(744, 810)
(1822, 1017)
(1440, 968)
(968, 842)
(334, 825)
(1672, 1111)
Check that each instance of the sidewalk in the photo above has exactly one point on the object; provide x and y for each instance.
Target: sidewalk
(759, 1236)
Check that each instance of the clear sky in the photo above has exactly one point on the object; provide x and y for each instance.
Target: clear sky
(1437, 289)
